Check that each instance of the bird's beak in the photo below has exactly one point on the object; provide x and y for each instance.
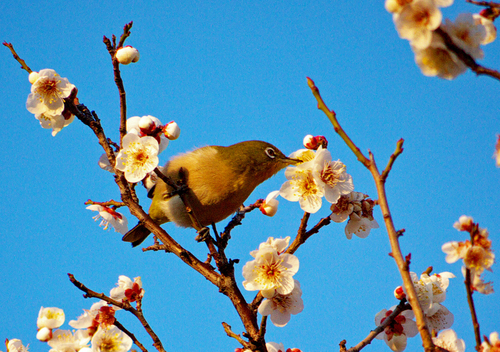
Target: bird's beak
(291, 161)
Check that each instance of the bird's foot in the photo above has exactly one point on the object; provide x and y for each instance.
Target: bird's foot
(203, 235)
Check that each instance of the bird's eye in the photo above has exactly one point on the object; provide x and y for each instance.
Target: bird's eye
(271, 152)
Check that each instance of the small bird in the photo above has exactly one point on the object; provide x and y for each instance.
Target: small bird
(219, 180)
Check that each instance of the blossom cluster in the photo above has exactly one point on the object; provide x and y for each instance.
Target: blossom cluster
(271, 273)
(418, 22)
(318, 176)
(94, 326)
(46, 100)
(431, 293)
(146, 138)
(476, 254)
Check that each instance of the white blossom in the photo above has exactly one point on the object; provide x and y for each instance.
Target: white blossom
(111, 217)
(280, 307)
(138, 157)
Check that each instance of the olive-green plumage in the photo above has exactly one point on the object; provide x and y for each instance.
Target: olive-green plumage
(219, 179)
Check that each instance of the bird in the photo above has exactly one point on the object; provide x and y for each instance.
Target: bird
(218, 179)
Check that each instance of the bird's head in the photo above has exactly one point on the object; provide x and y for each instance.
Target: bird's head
(258, 159)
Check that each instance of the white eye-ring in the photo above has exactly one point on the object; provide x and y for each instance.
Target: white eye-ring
(270, 152)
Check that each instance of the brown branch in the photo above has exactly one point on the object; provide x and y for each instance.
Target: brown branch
(402, 306)
(484, 3)
(332, 116)
(465, 57)
(111, 202)
(131, 335)
(112, 48)
(303, 236)
(236, 221)
(470, 301)
(230, 333)
(124, 305)
(391, 230)
(18, 59)
(392, 159)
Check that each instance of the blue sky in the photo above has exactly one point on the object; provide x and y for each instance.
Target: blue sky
(226, 72)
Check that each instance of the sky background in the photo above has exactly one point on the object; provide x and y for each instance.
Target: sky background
(228, 71)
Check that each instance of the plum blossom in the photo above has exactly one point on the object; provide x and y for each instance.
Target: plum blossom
(270, 205)
(437, 60)
(396, 333)
(302, 187)
(65, 340)
(270, 272)
(127, 54)
(100, 314)
(51, 318)
(279, 244)
(111, 339)
(448, 340)
(416, 21)
(148, 126)
(55, 122)
(111, 217)
(47, 93)
(280, 307)
(431, 292)
(466, 34)
(315, 177)
(138, 157)
(464, 223)
(16, 345)
(492, 344)
(489, 27)
(331, 176)
(359, 209)
(127, 290)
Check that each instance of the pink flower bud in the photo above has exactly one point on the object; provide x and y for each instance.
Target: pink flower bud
(399, 293)
(310, 142)
(127, 54)
(172, 130)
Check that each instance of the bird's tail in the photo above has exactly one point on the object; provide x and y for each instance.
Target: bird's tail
(137, 235)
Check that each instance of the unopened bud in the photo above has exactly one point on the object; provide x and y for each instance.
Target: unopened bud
(146, 125)
(399, 293)
(270, 205)
(33, 77)
(172, 130)
(127, 54)
(310, 142)
(44, 334)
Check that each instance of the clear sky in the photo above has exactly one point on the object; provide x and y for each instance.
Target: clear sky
(228, 71)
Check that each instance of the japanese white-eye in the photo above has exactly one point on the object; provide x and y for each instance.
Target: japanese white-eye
(219, 180)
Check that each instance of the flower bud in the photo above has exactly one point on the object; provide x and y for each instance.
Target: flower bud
(33, 77)
(146, 125)
(310, 142)
(172, 130)
(270, 205)
(269, 208)
(127, 54)
(399, 293)
(44, 334)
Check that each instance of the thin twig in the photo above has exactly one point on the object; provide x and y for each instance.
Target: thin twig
(470, 301)
(131, 335)
(484, 3)
(392, 159)
(18, 59)
(402, 306)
